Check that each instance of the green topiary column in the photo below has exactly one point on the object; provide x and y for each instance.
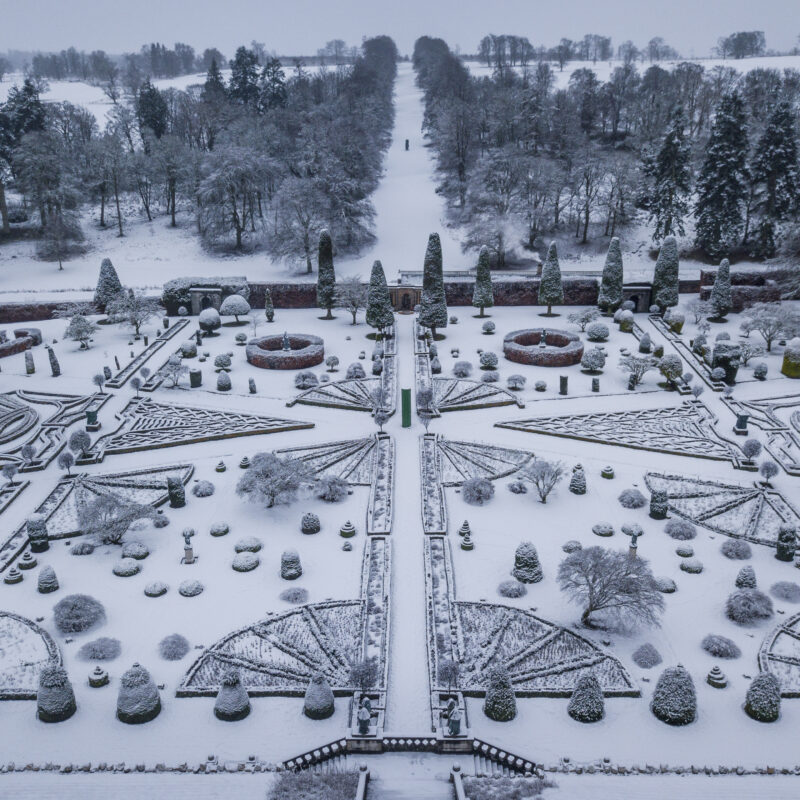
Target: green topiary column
(551, 292)
(326, 277)
(482, 295)
(610, 297)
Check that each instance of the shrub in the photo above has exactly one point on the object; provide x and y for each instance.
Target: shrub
(572, 546)
(720, 646)
(680, 529)
(527, 568)
(232, 701)
(307, 785)
(597, 332)
(47, 581)
(500, 704)
(55, 700)
(331, 489)
(516, 382)
(603, 529)
(223, 382)
(190, 588)
(763, 699)
(787, 543)
(692, 565)
(631, 528)
(355, 372)
(135, 550)
(488, 327)
(632, 498)
(318, 702)
(138, 700)
(540, 386)
(498, 787)
(666, 585)
(249, 544)
(310, 524)
(492, 376)
(203, 489)
(786, 590)
(477, 491)
(718, 374)
(760, 371)
(594, 359)
(209, 321)
(746, 578)
(748, 606)
(173, 647)
(156, 589)
(436, 366)
(245, 562)
(222, 362)
(488, 360)
(646, 656)
(736, 549)
(77, 613)
(587, 703)
(161, 520)
(219, 529)
(241, 339)
(126, 568)
(295, 595)
(305, 380)
(684, 551)
(103, 649)
(189, 349)
(512, 589)
(674, 699)
(291, 568)
(518, 487)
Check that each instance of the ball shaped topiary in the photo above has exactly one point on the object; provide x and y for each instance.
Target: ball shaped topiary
(103, 649)
(587, 703)
(331, 489)
(156, 589)
(746, 578)
(245, 562)
(126, 568)
(250, 544)
(232, 703)
(736, 549)
(540, 386)
(190, 588)
(674, 699)
(646, 656)
(77, 613)
(219, 529)
(477, 491)
(135, 550)
(720, 646)
(666, 585)
(488, 360)
(82, 549)
(203, 489)
(48, 582)
(295, 595)
(318, 702)
(763, 700)
(462, 369)
(488, 328)
(680, 529)
(55, 699)
(603, 529)
(305, 380)
(138, 700)
(597, 332)
(500, 703)
(161, 520)
(492, 376)
(512, 589)
(571, 546)
(632, 498)
(692, 565)
(173, 647)
(684, 551)
(748, 607)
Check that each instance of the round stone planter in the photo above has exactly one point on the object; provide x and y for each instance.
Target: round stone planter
(562, 348)
(267, 352)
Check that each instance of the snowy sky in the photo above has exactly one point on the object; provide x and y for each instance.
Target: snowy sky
(301, 26)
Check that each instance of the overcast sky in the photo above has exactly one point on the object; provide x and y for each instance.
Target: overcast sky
(301, 26)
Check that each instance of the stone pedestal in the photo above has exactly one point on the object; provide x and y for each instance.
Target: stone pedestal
(562, 384)
(92, 423)
(188, 556)
(740, 428)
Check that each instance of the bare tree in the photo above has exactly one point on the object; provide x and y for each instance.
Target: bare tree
(272, 480)
(107, 519)
(351, 295)
(544, 475)
(637, 366)
(772, 321)
(134, 308)
(173, 370)
(620, 586)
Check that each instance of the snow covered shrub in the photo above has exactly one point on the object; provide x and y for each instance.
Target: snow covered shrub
(241, 339)
(189, 349)
(77, 613)
(305, 380)
(47, 582)
(310, 523)
(55, 700)
(666, 585)
(477, 491)
(245, 562)
(720, 646)
(234, 305)
(190, 588)
(331, 489)
(631, 528)
(645, 345)
(232, 701)
(626, 321)
(135, 550)
(156, 589)
(173, 647)
(680, 529)
(295, 595)
(587, 703)
(746, 578)
(760, 371)
(692, 565)
(787, 543)
(222, 362)
(594, 359)
(718, 374)
(786, 590)
(632, 498)
(219, 529)
(646, 656)
(540, 386)
(515, 382)
(577, 481)
(291, 568)
(355, 372)
(209, 321)
(138, 700)
(249, 544)
(500, 704)
(498, 787)
(684, 551)
(763, 699)
(674, 699)
(603, 529)
(436, 366)
(748, 606)
(518, 487)
(736, 549)
(126, 568)
(527, 568)
(572, 546)
(318, 702)
(488, 327)
(488, 360)
(307, 785)
(492, 376)
(454, 320)
(597, 332)
(102, 649)
(512, 589)
(377, 368)
(160, 520)
(223, 382)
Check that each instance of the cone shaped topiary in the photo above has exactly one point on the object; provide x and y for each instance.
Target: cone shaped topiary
(138, 700)
(551, 292)
(587, 703)
(108, 284)
(232, 701)
(665, 279)
(55, 700)
(482, 295)
(610, 296)
(433, 307)
(48, 582)
(527, 568)
(674, 699)
(500, 704)
(763, 700)
(380, 314)
(319, 698)
(720, 299)
(577, 482)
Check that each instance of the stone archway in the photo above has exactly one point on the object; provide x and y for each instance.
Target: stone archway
(205, 302)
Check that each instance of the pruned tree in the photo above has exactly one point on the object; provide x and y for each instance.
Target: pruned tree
(80, 329)
(272, 480)
(583, 318)
(107, 519)
(637, 366)
(772, 321)
(351, 295)
(380, 313)
(544, 475)
(364, 674)
(134, 308)
(173, 370)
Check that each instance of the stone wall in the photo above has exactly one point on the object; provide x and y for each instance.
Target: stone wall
(745, 296)
(27, 312)
(284, 295)
(577, 292)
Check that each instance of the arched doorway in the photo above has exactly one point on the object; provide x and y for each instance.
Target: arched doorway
(205, 302)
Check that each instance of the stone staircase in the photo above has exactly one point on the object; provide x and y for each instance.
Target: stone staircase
(410, 788)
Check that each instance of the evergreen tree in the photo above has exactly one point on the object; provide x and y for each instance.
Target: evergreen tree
(269, 309)
(665, 279)
(482, 296)
(775, 177)
(214, 87)
(108, 284)
(326, 278)
(380, 314)
(551, 292)
(501, 703)
(721, 291)
(433, 308)
(587, 703)
(272, 89)
(151, 110)
(668, 200)
(243, 85)
(723, 183)
(610, 297)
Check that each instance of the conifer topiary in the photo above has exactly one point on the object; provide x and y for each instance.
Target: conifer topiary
(269, 309)
(763, 700)
(674, 699)
(720, 299)
(232, 701)
(108, 284)
(787, 542)
(482, 295)
(433, 308)
(551, 292)
(318, 702)
(610, 296)
(55, 699)
(138, 700)
(527, 568)
(665, 278)
(380, 313)
(587, 703)
(501, 703)
(577, 483)
(326, 277)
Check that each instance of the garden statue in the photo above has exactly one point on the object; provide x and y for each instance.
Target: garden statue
(633, 546)
(198, 337)
(188, 552)
(454, 722)
(543, 340)
(286, 344)
(364, 719)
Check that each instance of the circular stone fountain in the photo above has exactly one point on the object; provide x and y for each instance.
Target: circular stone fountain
(272, 352)
(543, 347)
